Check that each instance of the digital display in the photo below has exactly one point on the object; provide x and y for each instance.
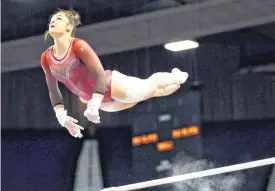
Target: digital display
(165, 145)
(144, 139)
(185, 132)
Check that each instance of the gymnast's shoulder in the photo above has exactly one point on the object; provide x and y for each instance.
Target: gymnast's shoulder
(43, 58)
(80, 44)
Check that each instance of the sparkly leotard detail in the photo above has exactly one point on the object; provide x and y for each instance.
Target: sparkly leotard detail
(74, 73)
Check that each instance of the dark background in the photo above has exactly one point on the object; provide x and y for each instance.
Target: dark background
(46, 159)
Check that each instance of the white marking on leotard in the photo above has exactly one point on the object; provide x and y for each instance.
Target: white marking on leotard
(83, 47)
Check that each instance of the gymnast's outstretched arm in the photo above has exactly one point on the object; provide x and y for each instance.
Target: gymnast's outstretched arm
(57, 101)
(52, 84)
(89, 57)
(91, 60)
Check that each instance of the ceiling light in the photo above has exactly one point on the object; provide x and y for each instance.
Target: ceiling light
(181, 45)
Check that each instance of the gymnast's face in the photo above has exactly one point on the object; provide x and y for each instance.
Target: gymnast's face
(59, 24)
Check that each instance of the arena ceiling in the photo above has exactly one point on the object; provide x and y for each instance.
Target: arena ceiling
(244, 22)
(23, 18)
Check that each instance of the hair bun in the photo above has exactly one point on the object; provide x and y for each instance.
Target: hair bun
(77, 16)
(74, 16)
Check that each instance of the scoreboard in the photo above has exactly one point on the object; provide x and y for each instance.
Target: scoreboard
(159, 137)
(168, 144)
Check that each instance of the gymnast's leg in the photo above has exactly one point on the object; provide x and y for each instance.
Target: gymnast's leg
(127, 89)
(115, 106)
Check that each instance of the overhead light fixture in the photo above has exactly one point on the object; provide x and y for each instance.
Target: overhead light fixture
(181, 45)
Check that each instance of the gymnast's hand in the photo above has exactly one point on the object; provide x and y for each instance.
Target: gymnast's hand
(92, 111)
(92, 114)
(73, 128)
(69, 123)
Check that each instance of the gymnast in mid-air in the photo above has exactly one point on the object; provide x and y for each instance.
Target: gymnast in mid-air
(74, 63)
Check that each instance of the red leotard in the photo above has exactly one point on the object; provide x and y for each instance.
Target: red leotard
(80, 71)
